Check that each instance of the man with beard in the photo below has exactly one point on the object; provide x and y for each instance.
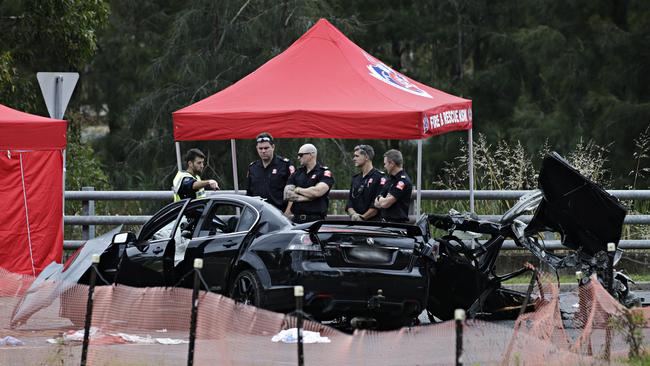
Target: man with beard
(187, 183)
(365, 186)
(268, 175)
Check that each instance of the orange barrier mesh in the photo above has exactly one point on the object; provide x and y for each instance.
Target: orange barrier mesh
(539, 337)
(13, 284)
(143, 326)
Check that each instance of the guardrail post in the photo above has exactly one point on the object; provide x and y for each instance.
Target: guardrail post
(459, 316)
(89, 309)
(198, 264)
(298, 293)
(88, 209)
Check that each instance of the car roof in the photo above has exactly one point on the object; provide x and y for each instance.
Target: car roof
(272, 216)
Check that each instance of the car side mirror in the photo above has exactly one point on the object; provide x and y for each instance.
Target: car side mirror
(186, 234)
(124, 238)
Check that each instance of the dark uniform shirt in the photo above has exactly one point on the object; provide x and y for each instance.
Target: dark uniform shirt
(364, 190)
(302, 178)
(400, 186)
(269, 182)
(186, 190)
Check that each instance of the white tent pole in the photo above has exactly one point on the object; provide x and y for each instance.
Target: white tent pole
(29, 232)
(234, 165)
(470, 165)
(63, 182)
(418, 199)
(178, 156)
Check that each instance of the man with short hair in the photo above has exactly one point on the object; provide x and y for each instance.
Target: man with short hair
(395, 197)
(187, 183)
(365, 186)
(268, 176)
(308, 188)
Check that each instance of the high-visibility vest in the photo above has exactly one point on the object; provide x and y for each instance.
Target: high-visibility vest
(178, 179)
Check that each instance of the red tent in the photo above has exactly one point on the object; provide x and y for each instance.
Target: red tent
(324, 85)
(31, 188)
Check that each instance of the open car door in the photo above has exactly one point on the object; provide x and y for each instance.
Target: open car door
(219, 240)
(150, 260)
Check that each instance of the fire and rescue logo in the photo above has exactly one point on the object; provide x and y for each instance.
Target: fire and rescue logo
(425, 124)
(382, 72)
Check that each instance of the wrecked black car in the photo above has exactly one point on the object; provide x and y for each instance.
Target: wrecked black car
(255, 255)
(584, 216)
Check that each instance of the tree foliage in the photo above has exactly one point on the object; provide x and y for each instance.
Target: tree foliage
(538, 72)
(44, 35)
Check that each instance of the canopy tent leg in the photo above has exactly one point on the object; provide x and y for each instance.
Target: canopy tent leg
(418, 199)
(63, 187)
(29, 232)
(470, 166)
(178, 156)
(234, 165)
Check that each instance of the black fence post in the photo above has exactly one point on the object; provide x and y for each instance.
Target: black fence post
(198, 264)
(89, 309)
(299, 292)
(459, 315)
(611, 251)
(531, 286)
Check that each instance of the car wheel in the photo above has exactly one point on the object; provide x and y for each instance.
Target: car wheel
(247, 289)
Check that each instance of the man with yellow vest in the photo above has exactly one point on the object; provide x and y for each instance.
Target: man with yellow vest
(188, 183)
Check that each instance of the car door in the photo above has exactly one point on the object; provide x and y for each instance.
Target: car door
(222, 234)
(161, 245)
(144, 264)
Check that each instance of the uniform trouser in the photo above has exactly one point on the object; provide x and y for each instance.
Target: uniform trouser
(302, 218)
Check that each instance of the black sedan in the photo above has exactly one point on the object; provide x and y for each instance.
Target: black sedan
(252, 253)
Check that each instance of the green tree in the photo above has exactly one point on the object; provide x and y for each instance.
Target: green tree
(47, 35)
(207, 47)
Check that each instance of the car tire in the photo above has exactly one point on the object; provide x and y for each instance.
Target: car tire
(247, 289)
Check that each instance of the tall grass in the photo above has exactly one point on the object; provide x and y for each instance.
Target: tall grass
(507, 166)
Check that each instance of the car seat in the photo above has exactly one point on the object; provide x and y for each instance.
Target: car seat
(231, 225)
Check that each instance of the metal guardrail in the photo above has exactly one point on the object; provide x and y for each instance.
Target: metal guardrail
(88, 220)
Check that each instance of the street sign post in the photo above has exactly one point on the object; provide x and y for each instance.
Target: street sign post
(57, 88)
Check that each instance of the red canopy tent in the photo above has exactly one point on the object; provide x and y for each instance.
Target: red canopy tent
(31, 189)
(324, 86)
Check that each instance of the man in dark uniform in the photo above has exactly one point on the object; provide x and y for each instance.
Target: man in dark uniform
(268, 175)
(365, 186)
(308, 188)
(395, 197)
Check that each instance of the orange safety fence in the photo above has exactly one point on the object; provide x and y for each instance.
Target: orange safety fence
(145, 326)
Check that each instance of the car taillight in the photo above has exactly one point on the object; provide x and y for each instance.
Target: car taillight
(71, 259)
(303, 242)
